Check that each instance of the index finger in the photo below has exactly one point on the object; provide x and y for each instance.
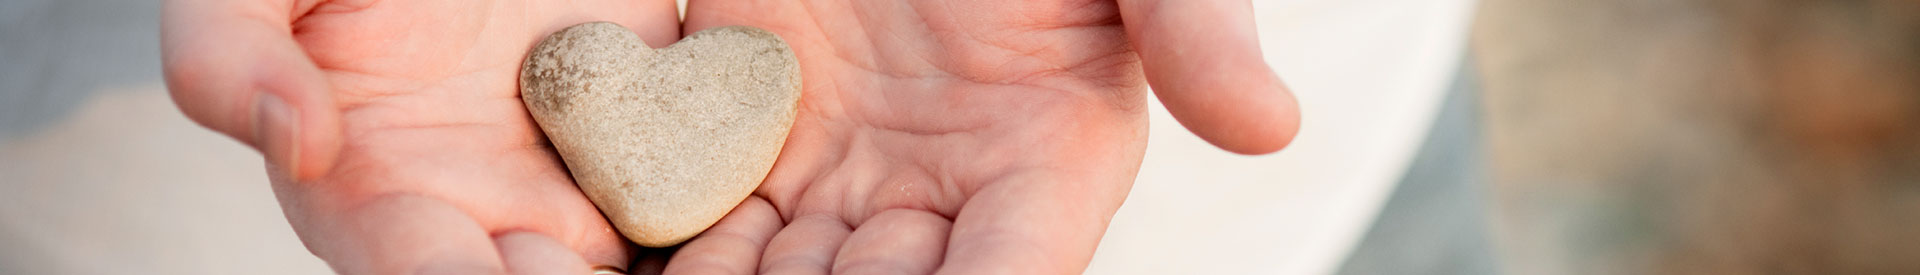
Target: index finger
(1033, 224)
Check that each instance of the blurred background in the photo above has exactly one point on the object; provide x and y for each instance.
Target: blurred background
(1703, 136)
(1439, 137)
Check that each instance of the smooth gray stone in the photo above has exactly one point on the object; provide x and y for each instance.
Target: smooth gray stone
(664, 141)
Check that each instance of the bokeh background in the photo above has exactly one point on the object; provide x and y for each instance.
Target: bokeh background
(1439, 137)
(1704, 136)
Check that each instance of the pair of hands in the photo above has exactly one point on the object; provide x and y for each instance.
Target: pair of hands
(933, 136)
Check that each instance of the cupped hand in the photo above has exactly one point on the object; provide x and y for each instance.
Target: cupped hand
(988, 137)
(393, 130)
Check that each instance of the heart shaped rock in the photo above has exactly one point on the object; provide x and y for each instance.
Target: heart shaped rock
(664, 141)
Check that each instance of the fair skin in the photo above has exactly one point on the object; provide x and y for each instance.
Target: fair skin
(932, 137)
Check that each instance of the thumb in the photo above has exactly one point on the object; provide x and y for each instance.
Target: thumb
(234, 67)
(1204, 62)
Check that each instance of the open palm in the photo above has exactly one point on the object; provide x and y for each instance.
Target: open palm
(435, 164)
(977, 137)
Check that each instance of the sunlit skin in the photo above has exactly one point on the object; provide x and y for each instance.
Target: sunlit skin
(932, 136)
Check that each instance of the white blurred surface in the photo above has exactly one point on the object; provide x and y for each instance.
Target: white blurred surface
(127, 185)
(123, 183)
(1369, 75)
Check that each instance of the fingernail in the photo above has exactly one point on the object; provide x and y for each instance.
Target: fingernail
(608, 270)
(275, 130)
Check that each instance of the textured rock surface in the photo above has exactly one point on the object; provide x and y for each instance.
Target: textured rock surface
(664, 141)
